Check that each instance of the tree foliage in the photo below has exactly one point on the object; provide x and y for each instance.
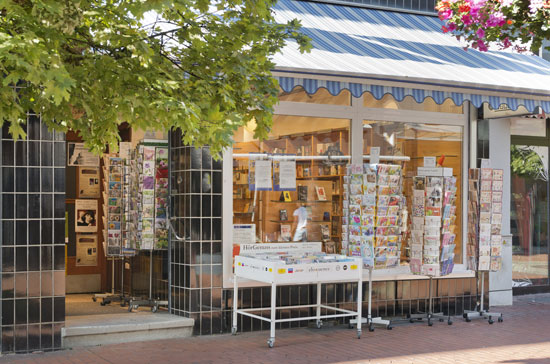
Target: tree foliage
(526, 162)
(520, 24)
(86, 65)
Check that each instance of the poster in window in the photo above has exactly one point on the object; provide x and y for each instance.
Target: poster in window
(86, 250)
(79, 156)
(86, 216)
(88, 182)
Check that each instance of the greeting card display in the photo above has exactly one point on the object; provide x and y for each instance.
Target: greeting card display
(149, 186)
(484, 246)
(372, 214)
(432, 237)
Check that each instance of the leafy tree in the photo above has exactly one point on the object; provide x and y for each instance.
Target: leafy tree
(526, 162)
(86, 65)
(521, 24)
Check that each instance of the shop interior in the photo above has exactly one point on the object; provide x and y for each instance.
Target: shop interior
(111, 275)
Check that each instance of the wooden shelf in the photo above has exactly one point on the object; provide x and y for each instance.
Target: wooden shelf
(300, 201)
(291, 221)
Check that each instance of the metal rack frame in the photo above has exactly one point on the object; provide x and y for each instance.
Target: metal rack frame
(480, 312)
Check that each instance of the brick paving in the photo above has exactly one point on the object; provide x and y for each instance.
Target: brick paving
(523, 338)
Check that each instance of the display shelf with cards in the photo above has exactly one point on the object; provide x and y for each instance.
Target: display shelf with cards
(484, 244)
(432, 235)
(371, 227)
(293, 268)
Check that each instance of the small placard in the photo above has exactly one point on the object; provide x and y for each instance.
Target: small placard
(429, 162)
(485, 163)
(374, 155)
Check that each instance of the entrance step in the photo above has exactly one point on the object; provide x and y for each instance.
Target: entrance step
(92, 330)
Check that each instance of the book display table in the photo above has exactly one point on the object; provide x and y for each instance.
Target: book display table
(317, 268)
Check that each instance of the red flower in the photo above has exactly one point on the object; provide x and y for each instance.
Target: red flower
(444, 28)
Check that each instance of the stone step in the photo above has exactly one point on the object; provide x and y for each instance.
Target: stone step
(92, 330)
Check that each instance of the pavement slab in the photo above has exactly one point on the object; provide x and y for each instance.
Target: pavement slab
(523, 338)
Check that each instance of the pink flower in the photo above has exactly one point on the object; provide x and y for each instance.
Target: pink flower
(451, 27)
(481, 46)
(506, 42)
(466, 19)
(480, 33)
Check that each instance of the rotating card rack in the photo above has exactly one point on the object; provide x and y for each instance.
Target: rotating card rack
(380, 233)
(432, 231)
(149, 223)
(116, 208)
(484, 250)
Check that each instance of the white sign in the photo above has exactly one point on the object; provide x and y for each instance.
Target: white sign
(124, 149)
(78, 155)
(287, 175)
(85, 216)
(262, 174)
(88, 182)
(374, 155)
(86, 250)
(244, 233)
(437, 171)
(485, 163)
(262, 248)
(429, 162)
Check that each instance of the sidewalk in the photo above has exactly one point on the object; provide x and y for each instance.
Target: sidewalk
(523, 338)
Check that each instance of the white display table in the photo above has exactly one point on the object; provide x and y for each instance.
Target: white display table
(279, 273)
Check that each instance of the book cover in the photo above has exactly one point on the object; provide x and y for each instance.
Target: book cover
(302, 193)
(286, 195)
(285, 232)
(321, 195)
(325, 232)
(283, 215)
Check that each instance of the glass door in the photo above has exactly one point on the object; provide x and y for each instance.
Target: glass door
(529, 215)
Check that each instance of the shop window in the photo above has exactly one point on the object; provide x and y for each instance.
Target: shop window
(321, 96)
(310, 212)
(409, 103)
(417, 141)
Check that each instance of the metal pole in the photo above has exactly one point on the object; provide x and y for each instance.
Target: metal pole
(151, 275)
(482, 290)
(122, 278)
(369, 312)
(168, 217)
(113, 276)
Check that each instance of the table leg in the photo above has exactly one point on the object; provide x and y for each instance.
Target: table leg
(318, 308)
(271, 340)
(235, 303)
(359, 306)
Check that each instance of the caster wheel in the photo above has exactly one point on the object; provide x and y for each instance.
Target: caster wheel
(371, 327)
(270, 342)
(465, 315)
(430, 323)
(441, 320)
(154, 309)
(233, 331)
(102, 303)
(94, 299)
(389, 327)
(411, 321)
(500, 319)
(491, 321)
(130, 308)
(449, 322)
(319, 324)
(468, 319)
(359, 335)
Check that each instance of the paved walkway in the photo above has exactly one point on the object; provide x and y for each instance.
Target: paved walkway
(523, 338)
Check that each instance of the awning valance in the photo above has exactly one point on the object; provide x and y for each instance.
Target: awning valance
(383, 52)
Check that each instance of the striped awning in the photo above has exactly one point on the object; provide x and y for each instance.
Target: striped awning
(384, 52)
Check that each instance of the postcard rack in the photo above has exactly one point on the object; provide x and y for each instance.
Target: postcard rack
(432, 231)
(484, 249)
(278, 272)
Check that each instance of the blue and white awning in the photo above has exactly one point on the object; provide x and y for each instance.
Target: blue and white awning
(383, 52)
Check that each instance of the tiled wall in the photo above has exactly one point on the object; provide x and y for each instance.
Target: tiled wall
(417, 5)
(33, 239)
(196, 204)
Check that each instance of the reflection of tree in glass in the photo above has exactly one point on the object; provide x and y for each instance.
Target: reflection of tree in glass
(526, 162)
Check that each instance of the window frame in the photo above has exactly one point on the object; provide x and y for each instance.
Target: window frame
(356, 113)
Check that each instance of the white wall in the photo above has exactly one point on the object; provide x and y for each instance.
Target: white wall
(500, 283)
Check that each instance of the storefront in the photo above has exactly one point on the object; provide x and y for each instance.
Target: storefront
(374, 78)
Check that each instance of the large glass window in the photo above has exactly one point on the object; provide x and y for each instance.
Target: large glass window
(418, 141)
(311, 212)
(529, 215)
